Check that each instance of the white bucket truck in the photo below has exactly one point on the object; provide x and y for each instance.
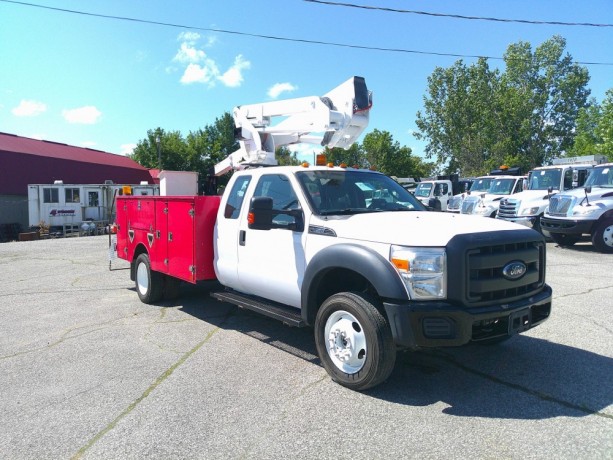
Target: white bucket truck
(348, 252)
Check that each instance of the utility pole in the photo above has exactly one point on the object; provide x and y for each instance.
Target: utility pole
(157, 141)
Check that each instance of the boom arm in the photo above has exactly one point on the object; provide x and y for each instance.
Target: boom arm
(335, 120)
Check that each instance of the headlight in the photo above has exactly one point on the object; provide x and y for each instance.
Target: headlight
(484, 210)
(423, 270)
(585, 210)
(529, 211)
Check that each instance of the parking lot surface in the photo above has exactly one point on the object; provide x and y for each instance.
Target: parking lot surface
(88, 371)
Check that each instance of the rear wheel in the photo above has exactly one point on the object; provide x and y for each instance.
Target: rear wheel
(602, 237)
(149, 284)
(354, 341)
(564, 240)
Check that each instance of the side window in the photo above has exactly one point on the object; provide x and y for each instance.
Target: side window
(519, 185)
(72, 195)
(92, 198)
(236, 197)
(568, 179)
(51, 195)
(284, 199)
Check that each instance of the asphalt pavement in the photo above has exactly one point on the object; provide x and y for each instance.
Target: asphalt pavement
(88, 371)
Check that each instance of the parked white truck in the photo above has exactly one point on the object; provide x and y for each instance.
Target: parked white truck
(504, 182)
(478, 186)
(436, 193)
(348, 252)
(587, 210)
(527, 207)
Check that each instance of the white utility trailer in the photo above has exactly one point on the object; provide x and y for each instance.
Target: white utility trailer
(79, 207)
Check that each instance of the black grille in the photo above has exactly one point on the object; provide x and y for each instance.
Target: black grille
(476, 263)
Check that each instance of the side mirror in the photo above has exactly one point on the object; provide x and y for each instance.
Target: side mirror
(588, 189)
(260, 213)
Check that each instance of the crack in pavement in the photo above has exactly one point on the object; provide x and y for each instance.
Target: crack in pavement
(141, 398)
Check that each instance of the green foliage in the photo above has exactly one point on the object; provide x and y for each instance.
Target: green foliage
(594, 133)
(285, 157)
(198, 152)
(476, 119)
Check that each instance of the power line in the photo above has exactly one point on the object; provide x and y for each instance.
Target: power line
(273, 37)
(459, 16)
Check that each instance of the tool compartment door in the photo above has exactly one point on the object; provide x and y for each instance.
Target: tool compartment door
(180, 238)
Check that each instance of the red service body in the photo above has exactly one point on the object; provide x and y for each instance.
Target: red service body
(176, 231)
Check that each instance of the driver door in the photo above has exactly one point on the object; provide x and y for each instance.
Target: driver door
(271, 262)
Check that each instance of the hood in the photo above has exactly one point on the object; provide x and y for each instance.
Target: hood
(412, 228)
(531, 195)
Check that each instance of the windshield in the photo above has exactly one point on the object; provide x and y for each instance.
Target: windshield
(542, 180)
(600, 177)
(481, 185)
(501, 186)
(354, 191)
(423, 189)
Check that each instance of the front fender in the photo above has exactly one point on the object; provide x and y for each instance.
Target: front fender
(364, 261)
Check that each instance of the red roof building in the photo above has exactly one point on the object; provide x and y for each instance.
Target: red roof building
(25, 161)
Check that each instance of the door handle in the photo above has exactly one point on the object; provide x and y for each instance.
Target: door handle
(241, 237)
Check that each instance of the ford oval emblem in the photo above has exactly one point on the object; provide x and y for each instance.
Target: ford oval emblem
(514, 270)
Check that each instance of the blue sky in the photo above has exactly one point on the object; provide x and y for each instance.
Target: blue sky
(102, 83)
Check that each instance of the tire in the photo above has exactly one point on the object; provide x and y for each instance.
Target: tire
(602, 236)
(149, 284)
(563, 239)
(354, 341)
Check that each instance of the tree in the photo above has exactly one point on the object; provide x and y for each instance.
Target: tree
(198, 152)
(553, 90)
(386, 155)
(285, 157)
(476, 119)
(594, 134)
(172, 149)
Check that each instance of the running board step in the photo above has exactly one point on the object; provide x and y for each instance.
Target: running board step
(288, 315)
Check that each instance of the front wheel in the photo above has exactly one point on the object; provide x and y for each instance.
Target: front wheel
(602, 238)
(149, 283)
(354, 341)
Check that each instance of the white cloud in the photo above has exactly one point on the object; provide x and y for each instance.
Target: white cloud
(127, 149)
(201, 68)
(279, 88)
(196, 73)
(233, 77)
(189, 54)
(188, 36)
(29, 108)
(87, 115)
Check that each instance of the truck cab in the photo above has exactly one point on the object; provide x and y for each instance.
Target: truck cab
(527, 207)
(586, 210)
(436, 193)
(502, 183)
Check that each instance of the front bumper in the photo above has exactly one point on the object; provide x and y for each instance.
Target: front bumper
(567, 226)
(440, 324)
(525, 221)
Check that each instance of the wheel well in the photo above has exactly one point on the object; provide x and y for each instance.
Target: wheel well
(333, 281)
(607, 215)
(140, 249)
